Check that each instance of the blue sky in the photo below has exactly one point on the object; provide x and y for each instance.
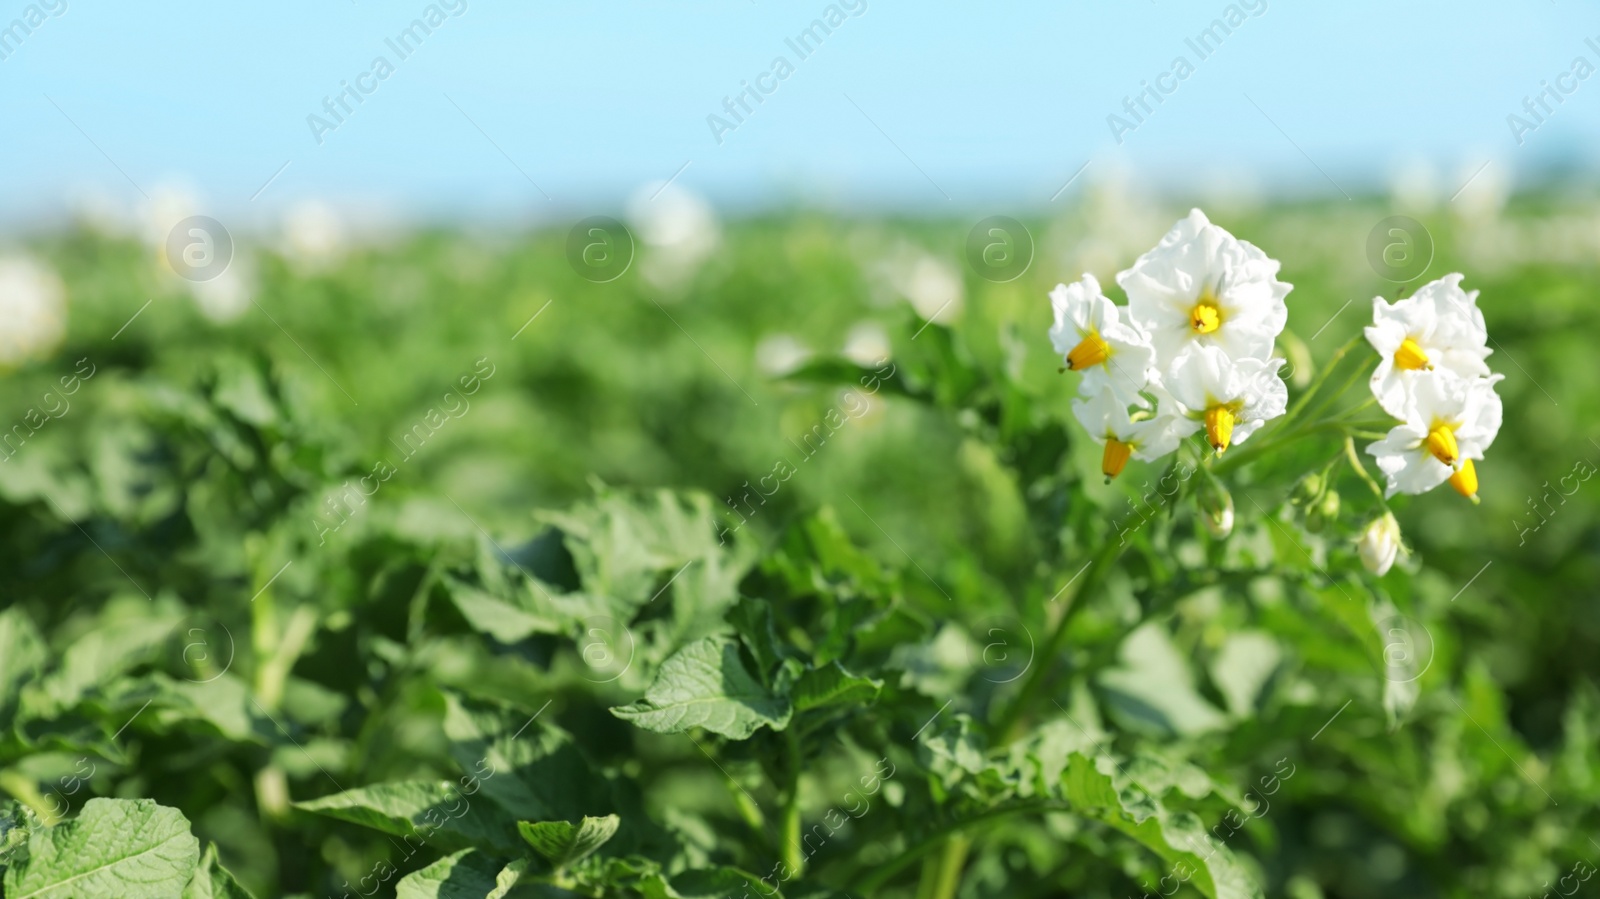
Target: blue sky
(903, 105)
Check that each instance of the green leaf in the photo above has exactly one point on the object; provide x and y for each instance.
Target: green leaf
(525, 764)
(22, 654)
(509, 877)
(468, 874)
(718, 882)
(563, 842)
(706, 685)
(434, 812)
(503, 619)
(212, 881)
(128, 632)
(1177, 837)
(1154, 690)
(1243, 667)
(752, 619)
(628, 550)
(127, 848)
(831, 685)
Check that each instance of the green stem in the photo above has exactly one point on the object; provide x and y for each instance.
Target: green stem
(747, 808)
(1098, 568)
(1360, 371)
(881, 874)
(1322, 378)
(1361, 471)
(1284, 431)
(789, 829)
(948, 867)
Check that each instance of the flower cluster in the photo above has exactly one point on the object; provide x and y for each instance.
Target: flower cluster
(1191, 350)
(1431, 375)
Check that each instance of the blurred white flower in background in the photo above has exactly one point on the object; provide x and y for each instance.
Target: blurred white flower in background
(226, 297)
(677, 230)
(1119, 221)
(98, 210)
(167, 205)
(1414, 186)
(314, 236)
(931, 285)
(33, 311)
(1483, 192)
(867, 344)
(779, 354)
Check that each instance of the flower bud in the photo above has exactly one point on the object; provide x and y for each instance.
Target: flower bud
(1330, 505)
(1379, 544)
(1216, 509)
(1307, 489)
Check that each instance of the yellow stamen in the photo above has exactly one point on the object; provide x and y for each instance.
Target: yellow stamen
(1205, 317)
(1090, 351)
(1441, 443)
(1410, 356)
(1465, 480)
(1219, 427)
(1114, 458)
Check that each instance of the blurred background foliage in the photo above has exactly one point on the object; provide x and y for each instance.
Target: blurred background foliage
(170, 539)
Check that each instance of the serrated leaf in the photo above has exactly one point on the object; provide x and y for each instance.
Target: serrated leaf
(212, 881)
(435, 812)
(128, 848)
(563, 842)
(832, 685)
(706, 685)
(954, 751)
(1177, 837)
(627, 549)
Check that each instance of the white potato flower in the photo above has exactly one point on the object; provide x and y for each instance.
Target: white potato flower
(33, 311)
(1379, 544)
(1231, 398)
(1203, 287)
(1449, 422)
(1108, 422)
(1439, 327)
(1092, 338)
